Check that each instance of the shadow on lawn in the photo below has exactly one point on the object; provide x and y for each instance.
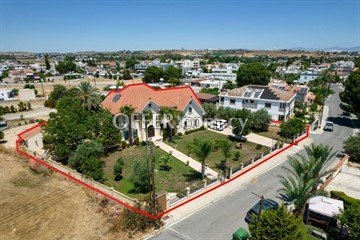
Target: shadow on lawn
(192, 176)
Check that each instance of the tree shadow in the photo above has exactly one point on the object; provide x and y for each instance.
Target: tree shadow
(118, 178)
(192, 176)
(343, 121)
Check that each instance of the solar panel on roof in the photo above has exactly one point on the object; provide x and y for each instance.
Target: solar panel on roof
(257, 94)
(116, 98)
(247, 94)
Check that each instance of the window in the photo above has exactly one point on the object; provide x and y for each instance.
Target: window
(116, 98)
(251, 101)
(268, 105)
(232, 101)
(196, 123)
(282, 105)
(190, 109)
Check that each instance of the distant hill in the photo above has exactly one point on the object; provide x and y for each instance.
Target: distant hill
(331, 49)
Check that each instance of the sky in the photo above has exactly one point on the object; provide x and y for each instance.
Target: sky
(112, 25)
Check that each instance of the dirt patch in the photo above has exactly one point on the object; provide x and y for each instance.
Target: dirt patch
(47, 206)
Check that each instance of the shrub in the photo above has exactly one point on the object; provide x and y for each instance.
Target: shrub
(313, 107)
(258, 147)
(237, 156)
(118, 168)
(195, 130)
(179, 134)
(137, 141)
(124, 144)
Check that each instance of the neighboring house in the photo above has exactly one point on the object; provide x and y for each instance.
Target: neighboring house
(143, 97)
(6, 95)
(280, 104)
(207, 98)
(303, 94)
(308, 76)
(21, 74)
(211, 84)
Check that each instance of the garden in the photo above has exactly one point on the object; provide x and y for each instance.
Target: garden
(171, 174)
(215, 158)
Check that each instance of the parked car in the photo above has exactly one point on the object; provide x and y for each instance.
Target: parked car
(268, 204)
(241, 234)
(329, 126)
(238, 138)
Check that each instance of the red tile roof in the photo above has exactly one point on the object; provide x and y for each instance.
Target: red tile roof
(140, 94)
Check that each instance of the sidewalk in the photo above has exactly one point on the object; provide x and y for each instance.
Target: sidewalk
(325, 116)
(252, 137)
(217, 194)
(184, 158)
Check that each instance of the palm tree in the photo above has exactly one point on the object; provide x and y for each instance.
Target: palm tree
(175, 113)
(202, 149)
(305, 173)
(225, 147)
(128, 110)
(89, 95)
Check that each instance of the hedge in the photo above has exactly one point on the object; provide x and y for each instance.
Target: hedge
(348, 201)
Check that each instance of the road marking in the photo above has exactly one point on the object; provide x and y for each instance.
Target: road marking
(180, 233)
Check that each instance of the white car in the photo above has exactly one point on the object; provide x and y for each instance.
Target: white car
(329, 126)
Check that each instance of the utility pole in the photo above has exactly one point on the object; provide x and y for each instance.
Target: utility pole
(261, 207)
(42, 87)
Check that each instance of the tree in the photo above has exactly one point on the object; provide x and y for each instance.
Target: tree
(71, 125)
(210, 110)
(86, 160)
(89, 96)
(153, 74)
(292, 127)
(174, 81)
(352, 148)
(229, 85)
(47, 63)
(350, 218)
(277, 224)
(242, 122)
(350, 97)
(127, 74)
(140, 176)
(172, 72)
(128, 110)
(58, 92)
(202, 149)
(305, 173)
(261, 120)
(252, 73)
(118, 168)
(165, 160)
(174, 113)
(66, 66)
(130, 63)
(225, 147)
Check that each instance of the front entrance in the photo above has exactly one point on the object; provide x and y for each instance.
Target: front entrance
(151, 131)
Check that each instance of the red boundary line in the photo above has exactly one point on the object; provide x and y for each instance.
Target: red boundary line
(137, 210)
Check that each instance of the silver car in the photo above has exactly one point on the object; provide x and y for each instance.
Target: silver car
(329, 126)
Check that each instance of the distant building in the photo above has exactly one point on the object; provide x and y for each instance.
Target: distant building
(211, 84)
(27, 95)
(280, 104)
(308, 76)
(6, 95)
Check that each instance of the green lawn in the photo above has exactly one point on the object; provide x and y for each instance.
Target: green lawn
(273, 132)
(175, 180)
(247, 152)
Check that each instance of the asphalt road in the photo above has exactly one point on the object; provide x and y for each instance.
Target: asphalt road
(220, 219)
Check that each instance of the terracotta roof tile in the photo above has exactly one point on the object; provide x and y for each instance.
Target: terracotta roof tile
(138, 95)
